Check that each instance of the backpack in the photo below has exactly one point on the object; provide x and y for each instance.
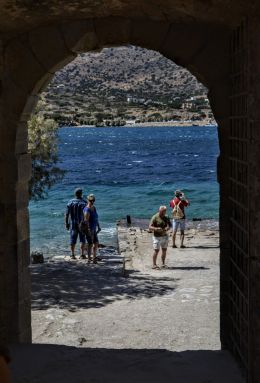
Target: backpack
(177, 213)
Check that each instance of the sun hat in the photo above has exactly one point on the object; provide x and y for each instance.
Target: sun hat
(91, 197)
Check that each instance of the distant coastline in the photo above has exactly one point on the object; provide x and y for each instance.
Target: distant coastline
(183, 123)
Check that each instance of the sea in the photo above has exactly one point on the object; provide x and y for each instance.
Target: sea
(131, 171)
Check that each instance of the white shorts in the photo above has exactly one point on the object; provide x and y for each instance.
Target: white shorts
(178, 222)
(160, 242)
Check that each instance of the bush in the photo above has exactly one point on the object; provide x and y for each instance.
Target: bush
(43, 147)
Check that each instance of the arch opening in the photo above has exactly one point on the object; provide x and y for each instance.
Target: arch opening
(122, 199)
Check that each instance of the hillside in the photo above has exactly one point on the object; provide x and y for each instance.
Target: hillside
(123, 83)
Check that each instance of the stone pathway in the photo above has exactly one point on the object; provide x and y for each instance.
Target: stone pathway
(132, 327)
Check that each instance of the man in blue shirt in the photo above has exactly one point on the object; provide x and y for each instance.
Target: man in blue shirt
(73, 217)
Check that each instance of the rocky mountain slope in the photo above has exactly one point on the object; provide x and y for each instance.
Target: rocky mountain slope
(120, 83)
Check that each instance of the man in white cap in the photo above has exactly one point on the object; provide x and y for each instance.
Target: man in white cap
(159, 225)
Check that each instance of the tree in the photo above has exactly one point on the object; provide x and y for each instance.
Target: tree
(43, 146)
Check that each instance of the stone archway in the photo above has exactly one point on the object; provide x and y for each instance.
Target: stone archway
(28, 61)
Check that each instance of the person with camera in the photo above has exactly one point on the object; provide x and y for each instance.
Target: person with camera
(73, 218)
(178, 204)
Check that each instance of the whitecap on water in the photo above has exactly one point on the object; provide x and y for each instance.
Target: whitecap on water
(108, 230)
(196, 155)
(138, 162)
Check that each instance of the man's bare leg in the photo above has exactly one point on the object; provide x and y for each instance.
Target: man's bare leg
(174, 238)
(164, 256)
(89, 252)
(95, 247)
(82, 250)
(155, 254)
(182, 238)
(72, 247)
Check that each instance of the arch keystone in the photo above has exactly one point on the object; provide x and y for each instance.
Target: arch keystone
(113, 30)
(80, 36)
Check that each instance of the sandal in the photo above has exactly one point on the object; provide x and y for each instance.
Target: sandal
(165, 267)
(183, 247)
(95, 261)
(174, 246)
(155, 267)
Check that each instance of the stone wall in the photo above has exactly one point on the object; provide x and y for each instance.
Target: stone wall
(27, 63)
(254, 201)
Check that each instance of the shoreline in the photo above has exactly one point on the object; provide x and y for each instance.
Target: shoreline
(202, 224)
(173, 124)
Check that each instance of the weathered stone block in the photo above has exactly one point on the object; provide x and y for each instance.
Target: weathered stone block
(21, 144)
(22, 66)
(9, 171)
(112, 31)
(22, 219)
(13, 105)
(23, 254)
(219, 96)
(149, 34)
(24, 284)
(183, 42)
(212, 60)
(80, 36)
(24, 167)
(50, 49)
(22, 195)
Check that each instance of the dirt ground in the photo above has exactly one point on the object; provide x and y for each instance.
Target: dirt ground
(138, 325)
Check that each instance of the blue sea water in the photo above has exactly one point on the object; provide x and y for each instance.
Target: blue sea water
(131, 171)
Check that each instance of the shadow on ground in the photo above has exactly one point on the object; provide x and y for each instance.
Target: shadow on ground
(202, 247)
(72, 285)
(187, 268)
(63, 364)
